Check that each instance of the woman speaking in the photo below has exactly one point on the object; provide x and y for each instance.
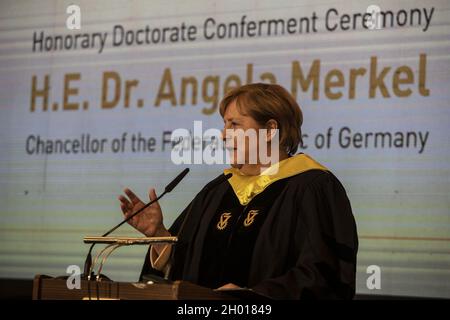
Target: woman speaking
(287, 233)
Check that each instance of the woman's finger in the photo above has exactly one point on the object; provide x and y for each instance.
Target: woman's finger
(134, 199)
(152, 196)
(124, 201)
(128, 206)
(124, 208)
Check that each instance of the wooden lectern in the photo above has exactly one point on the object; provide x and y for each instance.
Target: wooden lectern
(48, 288)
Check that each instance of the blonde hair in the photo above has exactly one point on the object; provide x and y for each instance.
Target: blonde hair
(264, 102)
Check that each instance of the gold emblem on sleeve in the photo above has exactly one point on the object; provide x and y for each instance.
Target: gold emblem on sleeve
(223, 222)
(250, 217)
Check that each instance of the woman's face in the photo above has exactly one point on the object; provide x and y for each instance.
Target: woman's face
(241, 136)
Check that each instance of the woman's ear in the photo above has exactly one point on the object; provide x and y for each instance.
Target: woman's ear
(271, 127)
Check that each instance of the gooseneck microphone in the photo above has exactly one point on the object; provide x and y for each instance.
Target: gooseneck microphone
(167, 189)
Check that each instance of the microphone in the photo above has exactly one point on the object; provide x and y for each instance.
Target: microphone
(176, 181)
(218, 181)
(208, 187)
(167, 189)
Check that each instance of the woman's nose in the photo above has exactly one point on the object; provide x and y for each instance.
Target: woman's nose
(224, 134)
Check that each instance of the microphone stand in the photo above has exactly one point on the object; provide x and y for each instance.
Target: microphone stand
(168, 188)
(88, 262)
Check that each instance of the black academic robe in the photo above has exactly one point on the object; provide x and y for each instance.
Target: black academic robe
(306, 247)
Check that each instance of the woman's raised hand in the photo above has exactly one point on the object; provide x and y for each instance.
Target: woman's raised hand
(150, 220)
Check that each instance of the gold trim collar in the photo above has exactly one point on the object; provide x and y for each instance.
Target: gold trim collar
(247, 187)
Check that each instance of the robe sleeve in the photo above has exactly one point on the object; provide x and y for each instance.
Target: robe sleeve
(154, 264)
(160, 261)
(325, 245)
